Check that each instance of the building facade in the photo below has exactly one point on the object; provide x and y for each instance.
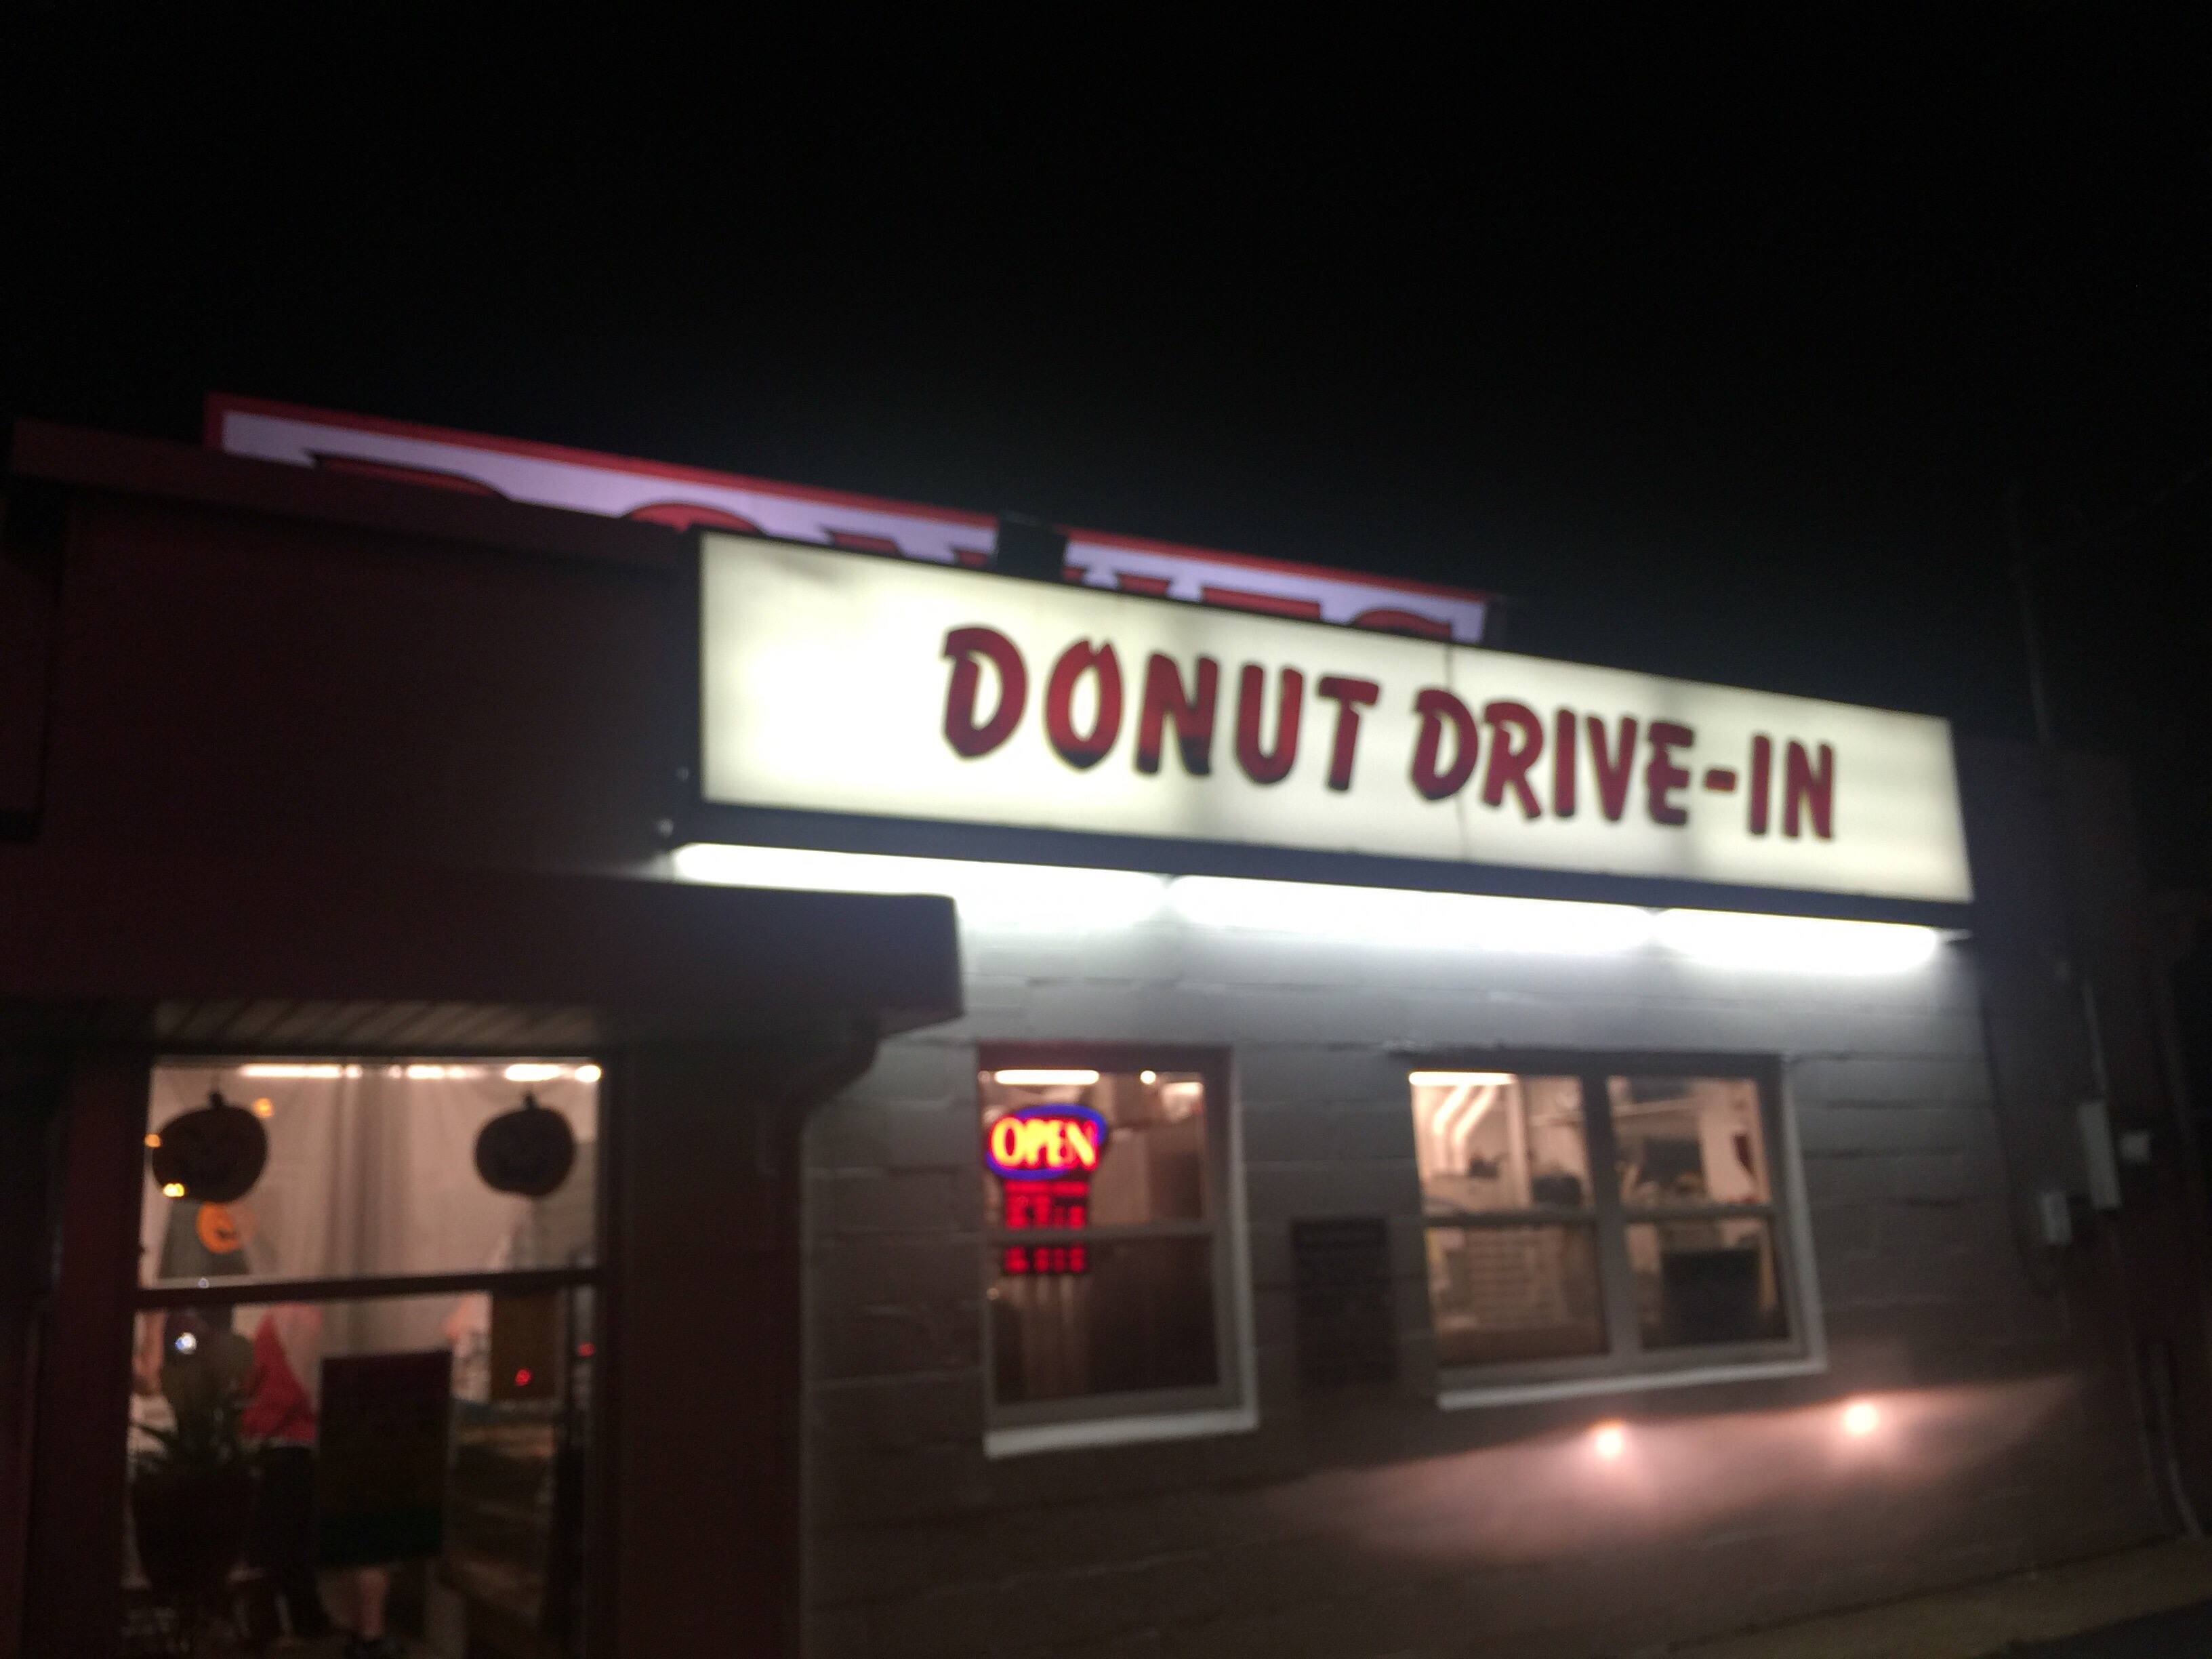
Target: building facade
(1260, 1213)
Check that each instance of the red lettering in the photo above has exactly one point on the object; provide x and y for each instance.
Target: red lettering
(1268, 765)
(1350, 696)
(1085, 749)
(1193, 715)
(1614, 769)
(1390, 621)
(1565, 730)
(1662, 777)
(964, 647)
(1510, 762)
(1762, 780)
(1438, 708)
(1813, 789)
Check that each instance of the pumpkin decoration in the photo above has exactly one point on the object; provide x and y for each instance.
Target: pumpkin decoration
(213, 1153)
(529, 1151)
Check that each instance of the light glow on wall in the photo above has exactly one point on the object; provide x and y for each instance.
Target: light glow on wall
(1016, 897)
(1047, 898)
(1396, 917)
(1799, 944)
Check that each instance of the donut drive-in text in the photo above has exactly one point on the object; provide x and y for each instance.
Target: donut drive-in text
(1506, 749)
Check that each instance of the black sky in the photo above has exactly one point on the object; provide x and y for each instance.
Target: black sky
(1716, 337)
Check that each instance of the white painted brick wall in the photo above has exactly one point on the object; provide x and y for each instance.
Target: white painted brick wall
(1265, 1543)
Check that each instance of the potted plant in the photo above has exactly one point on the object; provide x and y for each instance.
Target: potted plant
(191, 1497)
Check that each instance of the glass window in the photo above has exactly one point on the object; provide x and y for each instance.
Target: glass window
(363, 1375)
(1586, 1217)
(1102, 1194)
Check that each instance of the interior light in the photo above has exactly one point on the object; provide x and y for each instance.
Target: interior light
(153, 1139)
(172, 1189)
(422, 1073)
(1796, 944)
(264, 1107)
(186, 1343)
(1861, 1418)
(587, 1072)
(1609, 1440)
(1391, 915)
(1035, 1077)
(1148, 1078)
(1029, 898)
(1455, 1079)
(532, 1072)
(522, 1377)
(283, 1071)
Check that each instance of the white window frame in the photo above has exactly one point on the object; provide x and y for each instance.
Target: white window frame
(1626, 1365)
(1110, 1419)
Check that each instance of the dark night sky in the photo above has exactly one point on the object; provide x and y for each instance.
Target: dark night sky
(1716, 344)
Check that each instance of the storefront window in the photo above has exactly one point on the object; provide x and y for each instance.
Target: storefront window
(363, 1384)
(1585, 1219)
(1103, 1188)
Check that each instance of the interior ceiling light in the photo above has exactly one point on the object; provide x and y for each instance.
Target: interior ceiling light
(532, 1072)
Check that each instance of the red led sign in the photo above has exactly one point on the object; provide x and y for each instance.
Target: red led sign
(1044, 1157)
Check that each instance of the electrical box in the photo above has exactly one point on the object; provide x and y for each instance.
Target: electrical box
(2098, 1163)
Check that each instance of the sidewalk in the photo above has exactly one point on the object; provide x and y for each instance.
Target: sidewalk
(1988, 1619)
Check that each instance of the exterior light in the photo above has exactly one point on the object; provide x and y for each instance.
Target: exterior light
(1013, 897)
(587, 1072)
(1796, 944)
(1609, 1440)
(153, 1139)
(1861, 1419)
(1398, 916)
(1045, 1078)
(1454, 1079)
(172, 1189)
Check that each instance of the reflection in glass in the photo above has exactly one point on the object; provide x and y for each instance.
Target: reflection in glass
(1689, 1140)
(421, 1456)
(1488, 1141)
(1503, 1293)
(1706, 1282)
(1139, 1316)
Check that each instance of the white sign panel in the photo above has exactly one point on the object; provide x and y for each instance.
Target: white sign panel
(618, 487)
(843, 684)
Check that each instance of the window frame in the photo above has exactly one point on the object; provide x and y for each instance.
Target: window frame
(1627, 1364)
(1153, 1413)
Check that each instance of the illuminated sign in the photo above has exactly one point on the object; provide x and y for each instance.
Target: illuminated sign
(616, 486)
(1040, 1143)
(1045, 1156)
(841, 683)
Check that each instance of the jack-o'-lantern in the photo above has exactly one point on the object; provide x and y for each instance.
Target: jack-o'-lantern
(529, 1151)
(215, 1153)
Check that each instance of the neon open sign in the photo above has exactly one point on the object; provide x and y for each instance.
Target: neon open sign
(1046, 1143)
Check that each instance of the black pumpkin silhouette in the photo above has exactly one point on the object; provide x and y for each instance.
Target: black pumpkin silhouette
(528, 1150)
(215, 1153)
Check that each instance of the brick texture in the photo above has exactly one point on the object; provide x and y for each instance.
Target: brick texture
(1346, 1527)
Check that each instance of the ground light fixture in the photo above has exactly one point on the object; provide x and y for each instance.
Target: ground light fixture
(1048, 898)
